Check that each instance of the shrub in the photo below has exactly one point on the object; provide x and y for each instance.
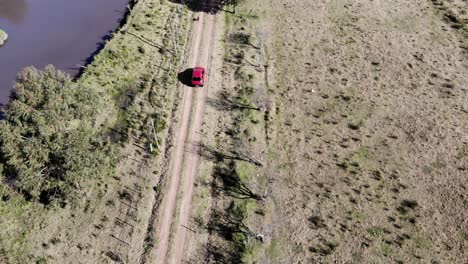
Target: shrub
(3, 37)
(48, 139)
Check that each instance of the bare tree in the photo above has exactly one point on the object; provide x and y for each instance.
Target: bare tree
(224, 102)
(233, 185)
(238, 154)
(233, 3)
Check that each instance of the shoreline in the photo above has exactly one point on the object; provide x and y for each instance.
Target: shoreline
(82, 62)
(130, 82)
(123, 22)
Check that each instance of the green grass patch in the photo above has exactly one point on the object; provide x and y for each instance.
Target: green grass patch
(360, 160)
(245, 170)
(363, 158)
(386, 249)
(376, 231)
(274, 250)
(242, 239)
(14, 231)
(422, 242)
(251, 252)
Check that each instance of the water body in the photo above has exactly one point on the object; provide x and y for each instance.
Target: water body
(64, 33)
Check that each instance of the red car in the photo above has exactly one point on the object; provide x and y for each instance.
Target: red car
(198, 76)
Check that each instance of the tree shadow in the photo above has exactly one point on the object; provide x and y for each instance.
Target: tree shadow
(217, 254)
(185, 77)
(148, 41)
(215, 155)
(226, 225)
(223, 102)
(209, 6)
(233, 185)
(229, 225)
(46, 197)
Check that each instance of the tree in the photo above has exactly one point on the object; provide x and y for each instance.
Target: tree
(233, 3)
(48, 142)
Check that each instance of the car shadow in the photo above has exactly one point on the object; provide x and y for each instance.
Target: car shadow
(185, 77)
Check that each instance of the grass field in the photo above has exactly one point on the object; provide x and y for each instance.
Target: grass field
(335, 132)
(360, 129)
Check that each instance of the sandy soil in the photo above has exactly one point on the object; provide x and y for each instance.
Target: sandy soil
(192, 158)
(169, 201)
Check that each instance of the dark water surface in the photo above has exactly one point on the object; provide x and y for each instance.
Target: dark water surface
(64, 33)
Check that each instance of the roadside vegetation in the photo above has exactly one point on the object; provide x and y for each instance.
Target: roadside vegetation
(77, 169)
(233, 187)
(239, 175)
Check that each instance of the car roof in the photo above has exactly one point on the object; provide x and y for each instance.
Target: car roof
(197, 71)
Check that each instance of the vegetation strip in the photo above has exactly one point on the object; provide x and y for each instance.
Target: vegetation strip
(70, 133)
(237, 189)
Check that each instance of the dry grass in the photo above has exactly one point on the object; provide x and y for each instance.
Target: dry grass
(365, 140)
(367, 122)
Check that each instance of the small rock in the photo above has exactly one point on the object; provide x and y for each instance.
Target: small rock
(3, 37)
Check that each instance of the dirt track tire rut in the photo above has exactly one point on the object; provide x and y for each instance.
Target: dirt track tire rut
(175, 208)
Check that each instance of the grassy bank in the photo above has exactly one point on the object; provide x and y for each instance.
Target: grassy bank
(61, 207)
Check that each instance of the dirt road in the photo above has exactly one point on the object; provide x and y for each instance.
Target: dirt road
(178, 195)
